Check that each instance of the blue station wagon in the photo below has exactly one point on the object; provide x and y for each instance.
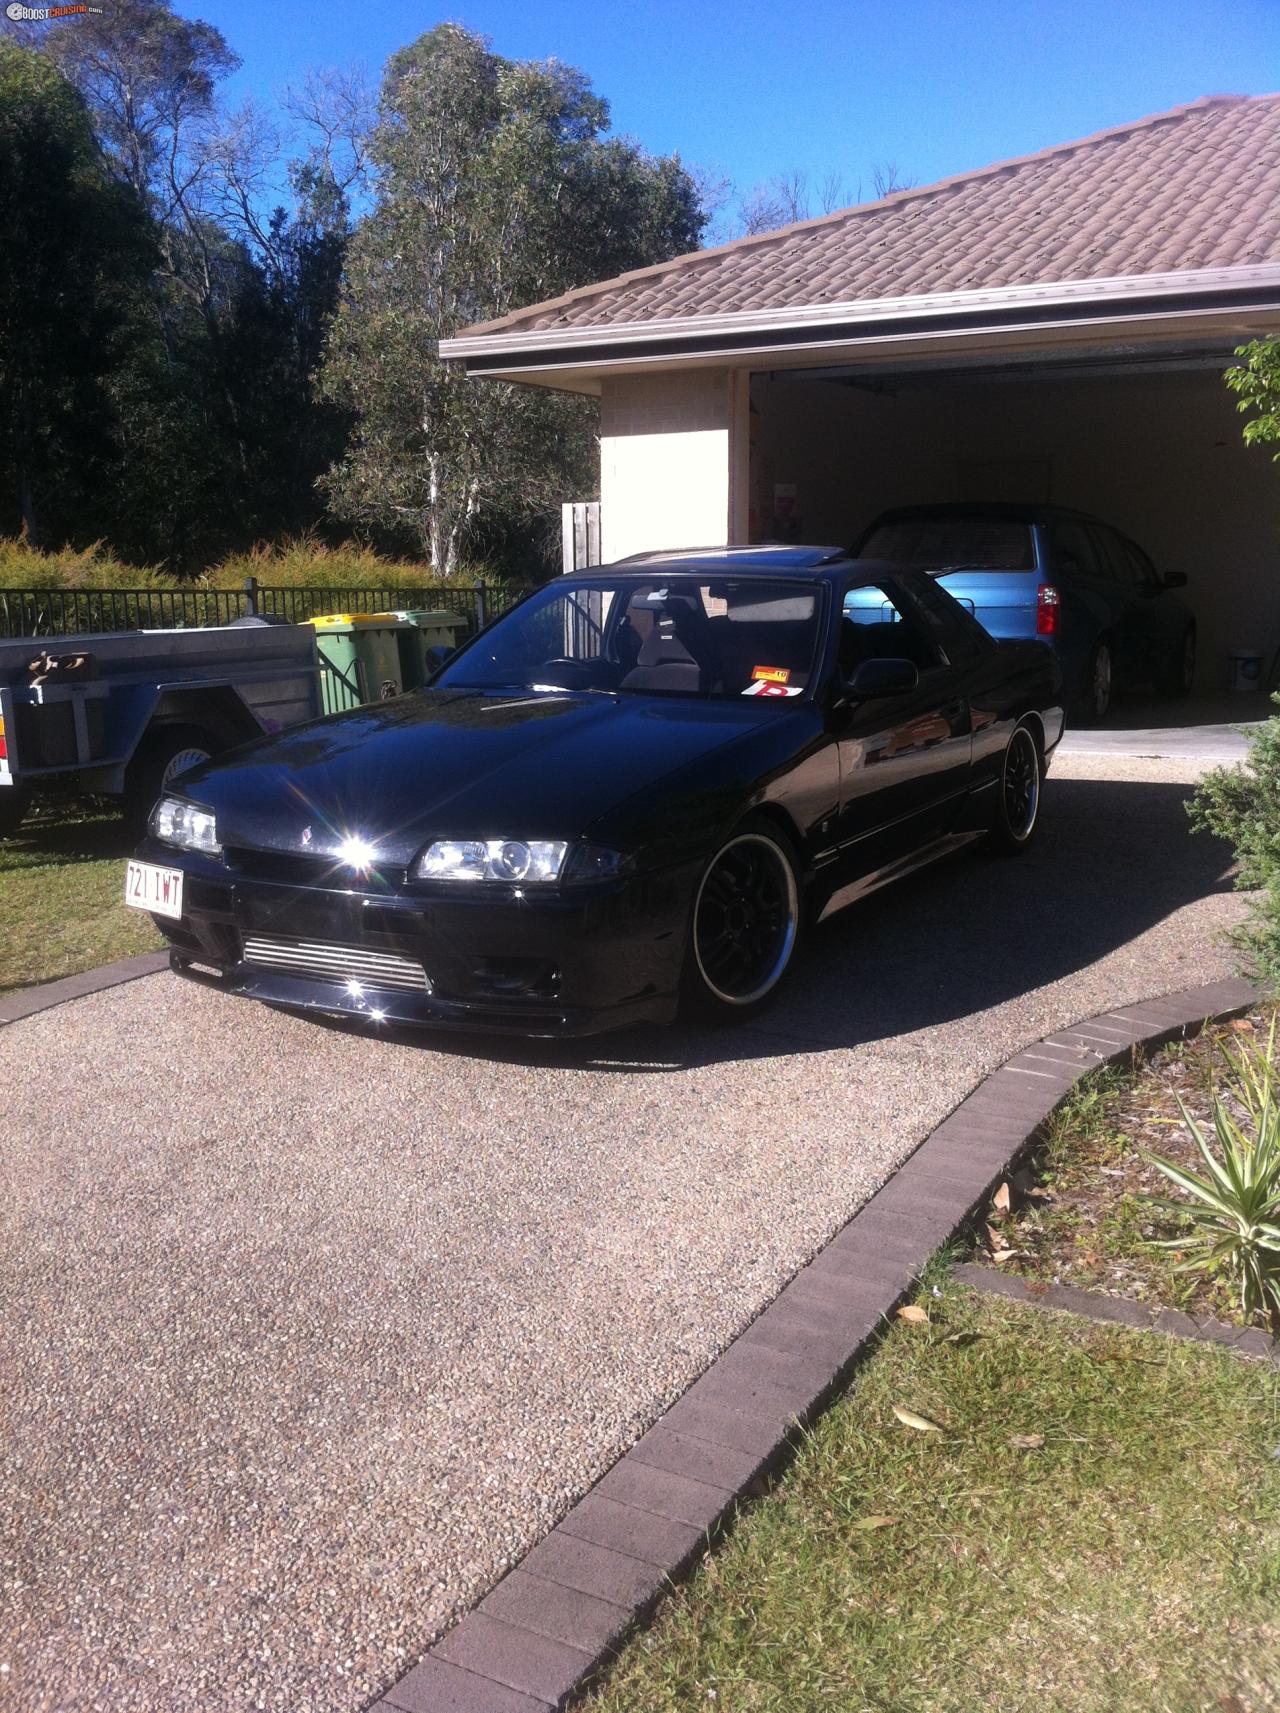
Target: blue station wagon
(1061, 576)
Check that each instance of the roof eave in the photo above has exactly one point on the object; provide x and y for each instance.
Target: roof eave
(762, 334)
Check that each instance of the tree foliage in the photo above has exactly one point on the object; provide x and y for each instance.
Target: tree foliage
(495, 187)
(74, 262)
(1256, 383)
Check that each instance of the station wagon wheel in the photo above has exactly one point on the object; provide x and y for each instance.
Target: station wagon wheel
(746, 923)
(1098, 683)
(1181, 673)
(1018, 802)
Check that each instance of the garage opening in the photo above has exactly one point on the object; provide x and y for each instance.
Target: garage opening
(1151, 445)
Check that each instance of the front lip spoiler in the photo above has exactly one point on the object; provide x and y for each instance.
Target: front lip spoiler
(386, 1009)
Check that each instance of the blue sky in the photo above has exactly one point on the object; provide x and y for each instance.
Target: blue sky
(934, 86)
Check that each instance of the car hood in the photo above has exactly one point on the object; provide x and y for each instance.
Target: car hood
(459, 764)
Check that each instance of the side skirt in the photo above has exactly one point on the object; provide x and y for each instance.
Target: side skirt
(904, 866)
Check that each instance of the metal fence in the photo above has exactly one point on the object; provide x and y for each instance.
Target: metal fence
(72, 612)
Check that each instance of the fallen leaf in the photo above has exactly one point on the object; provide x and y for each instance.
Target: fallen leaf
(913, 1313)
(910, 1419)
(1001, 1200)
(1000, 1256)
(996, 1239)
(1038, 1193)
(875, 1522)
(962, 1338)
(1026, 1441)
(1242, 1025)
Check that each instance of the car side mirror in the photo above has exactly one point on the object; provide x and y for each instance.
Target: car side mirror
(882, 678)
(436, 656)
(1174, 580)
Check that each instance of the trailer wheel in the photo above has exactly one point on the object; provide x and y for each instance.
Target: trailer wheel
(163, 755)
(15, 800)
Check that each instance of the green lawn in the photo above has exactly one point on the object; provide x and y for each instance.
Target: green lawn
(1130, 1563)
(62, 898)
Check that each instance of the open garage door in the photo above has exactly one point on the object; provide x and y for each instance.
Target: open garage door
(1150, 446)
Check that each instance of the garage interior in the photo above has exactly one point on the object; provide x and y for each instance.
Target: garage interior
(1151, 444)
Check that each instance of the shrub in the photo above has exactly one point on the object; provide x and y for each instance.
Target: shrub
(1234, 1211)
(1242, 805)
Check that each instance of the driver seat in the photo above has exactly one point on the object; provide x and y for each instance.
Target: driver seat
(665, 661)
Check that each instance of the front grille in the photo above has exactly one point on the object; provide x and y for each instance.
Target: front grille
(336, 963)
(299, 868)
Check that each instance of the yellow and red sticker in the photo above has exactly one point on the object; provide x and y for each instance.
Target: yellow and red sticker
(770, 674)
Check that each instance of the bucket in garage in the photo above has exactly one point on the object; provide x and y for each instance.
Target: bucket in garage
(1246, 670)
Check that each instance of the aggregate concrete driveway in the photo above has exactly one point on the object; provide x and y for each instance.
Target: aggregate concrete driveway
(307, 1336)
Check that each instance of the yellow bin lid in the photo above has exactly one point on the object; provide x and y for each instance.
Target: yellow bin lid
(336, 619)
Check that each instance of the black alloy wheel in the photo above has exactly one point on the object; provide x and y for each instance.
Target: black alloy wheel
(1018, 804)
(746, 923)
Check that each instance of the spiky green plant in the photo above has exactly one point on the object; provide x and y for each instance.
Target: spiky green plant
(1234, 1211)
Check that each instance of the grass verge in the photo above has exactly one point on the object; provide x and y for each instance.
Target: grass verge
(62, 897)
(1130, 1560)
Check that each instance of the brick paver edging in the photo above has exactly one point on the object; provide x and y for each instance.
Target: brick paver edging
(541, 1634)
(1118, 1311)
(27, 1001)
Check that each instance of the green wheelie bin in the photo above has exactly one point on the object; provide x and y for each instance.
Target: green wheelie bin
(424, 628)
(361, 658)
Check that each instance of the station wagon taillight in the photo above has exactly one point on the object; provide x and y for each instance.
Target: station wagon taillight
(1047, 603)
(4, 742)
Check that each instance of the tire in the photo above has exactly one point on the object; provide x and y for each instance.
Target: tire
(1095, 691)
(1180, 674)
(1017, 812)
(745, 926)
(15, 800)
(163, 754)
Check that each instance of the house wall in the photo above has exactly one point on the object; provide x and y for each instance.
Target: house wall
(673, 461)
(1160, 455)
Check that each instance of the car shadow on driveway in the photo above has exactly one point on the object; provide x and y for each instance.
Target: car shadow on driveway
(1112, 860)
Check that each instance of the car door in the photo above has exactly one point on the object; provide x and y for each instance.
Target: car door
(904, 759)
(1129, 646)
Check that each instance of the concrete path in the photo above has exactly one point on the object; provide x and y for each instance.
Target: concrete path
(1207, 729)
(308, 1336)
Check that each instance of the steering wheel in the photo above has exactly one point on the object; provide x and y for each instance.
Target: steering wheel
(576, 669)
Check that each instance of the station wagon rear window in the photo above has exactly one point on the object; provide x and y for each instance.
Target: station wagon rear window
(940, 544)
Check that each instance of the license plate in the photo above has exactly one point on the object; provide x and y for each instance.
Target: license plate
(158, 890)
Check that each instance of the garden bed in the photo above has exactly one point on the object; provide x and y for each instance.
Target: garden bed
(1080, 1212)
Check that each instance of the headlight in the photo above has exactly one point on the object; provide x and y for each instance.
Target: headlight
(520, 862)
(182, 824)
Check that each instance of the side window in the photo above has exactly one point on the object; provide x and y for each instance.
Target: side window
(960, 635)
(1140, 569)
(1110, 554)
(1073, 552)
(881, 623)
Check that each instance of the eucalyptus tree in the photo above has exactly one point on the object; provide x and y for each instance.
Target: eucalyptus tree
(495, 185)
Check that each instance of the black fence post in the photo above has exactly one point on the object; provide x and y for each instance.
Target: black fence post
(251, 595)
(480, 613)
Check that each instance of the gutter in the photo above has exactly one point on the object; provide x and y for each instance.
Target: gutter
(1053, 304)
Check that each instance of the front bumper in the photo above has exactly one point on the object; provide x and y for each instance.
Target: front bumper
(574, 963)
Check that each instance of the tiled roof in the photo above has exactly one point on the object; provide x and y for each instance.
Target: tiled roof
(1197, 187)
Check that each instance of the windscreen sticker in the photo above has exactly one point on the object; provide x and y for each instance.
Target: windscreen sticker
(771, 674)
(765, 687)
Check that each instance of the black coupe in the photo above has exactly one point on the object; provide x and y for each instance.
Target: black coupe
(630, 792)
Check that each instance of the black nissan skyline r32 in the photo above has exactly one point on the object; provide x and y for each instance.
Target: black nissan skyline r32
(627, 795)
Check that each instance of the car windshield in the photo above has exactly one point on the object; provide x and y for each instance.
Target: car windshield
(956, 543)
(666, 635)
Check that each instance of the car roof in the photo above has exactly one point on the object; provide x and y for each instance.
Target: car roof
(768, 559)
(1014, 511)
